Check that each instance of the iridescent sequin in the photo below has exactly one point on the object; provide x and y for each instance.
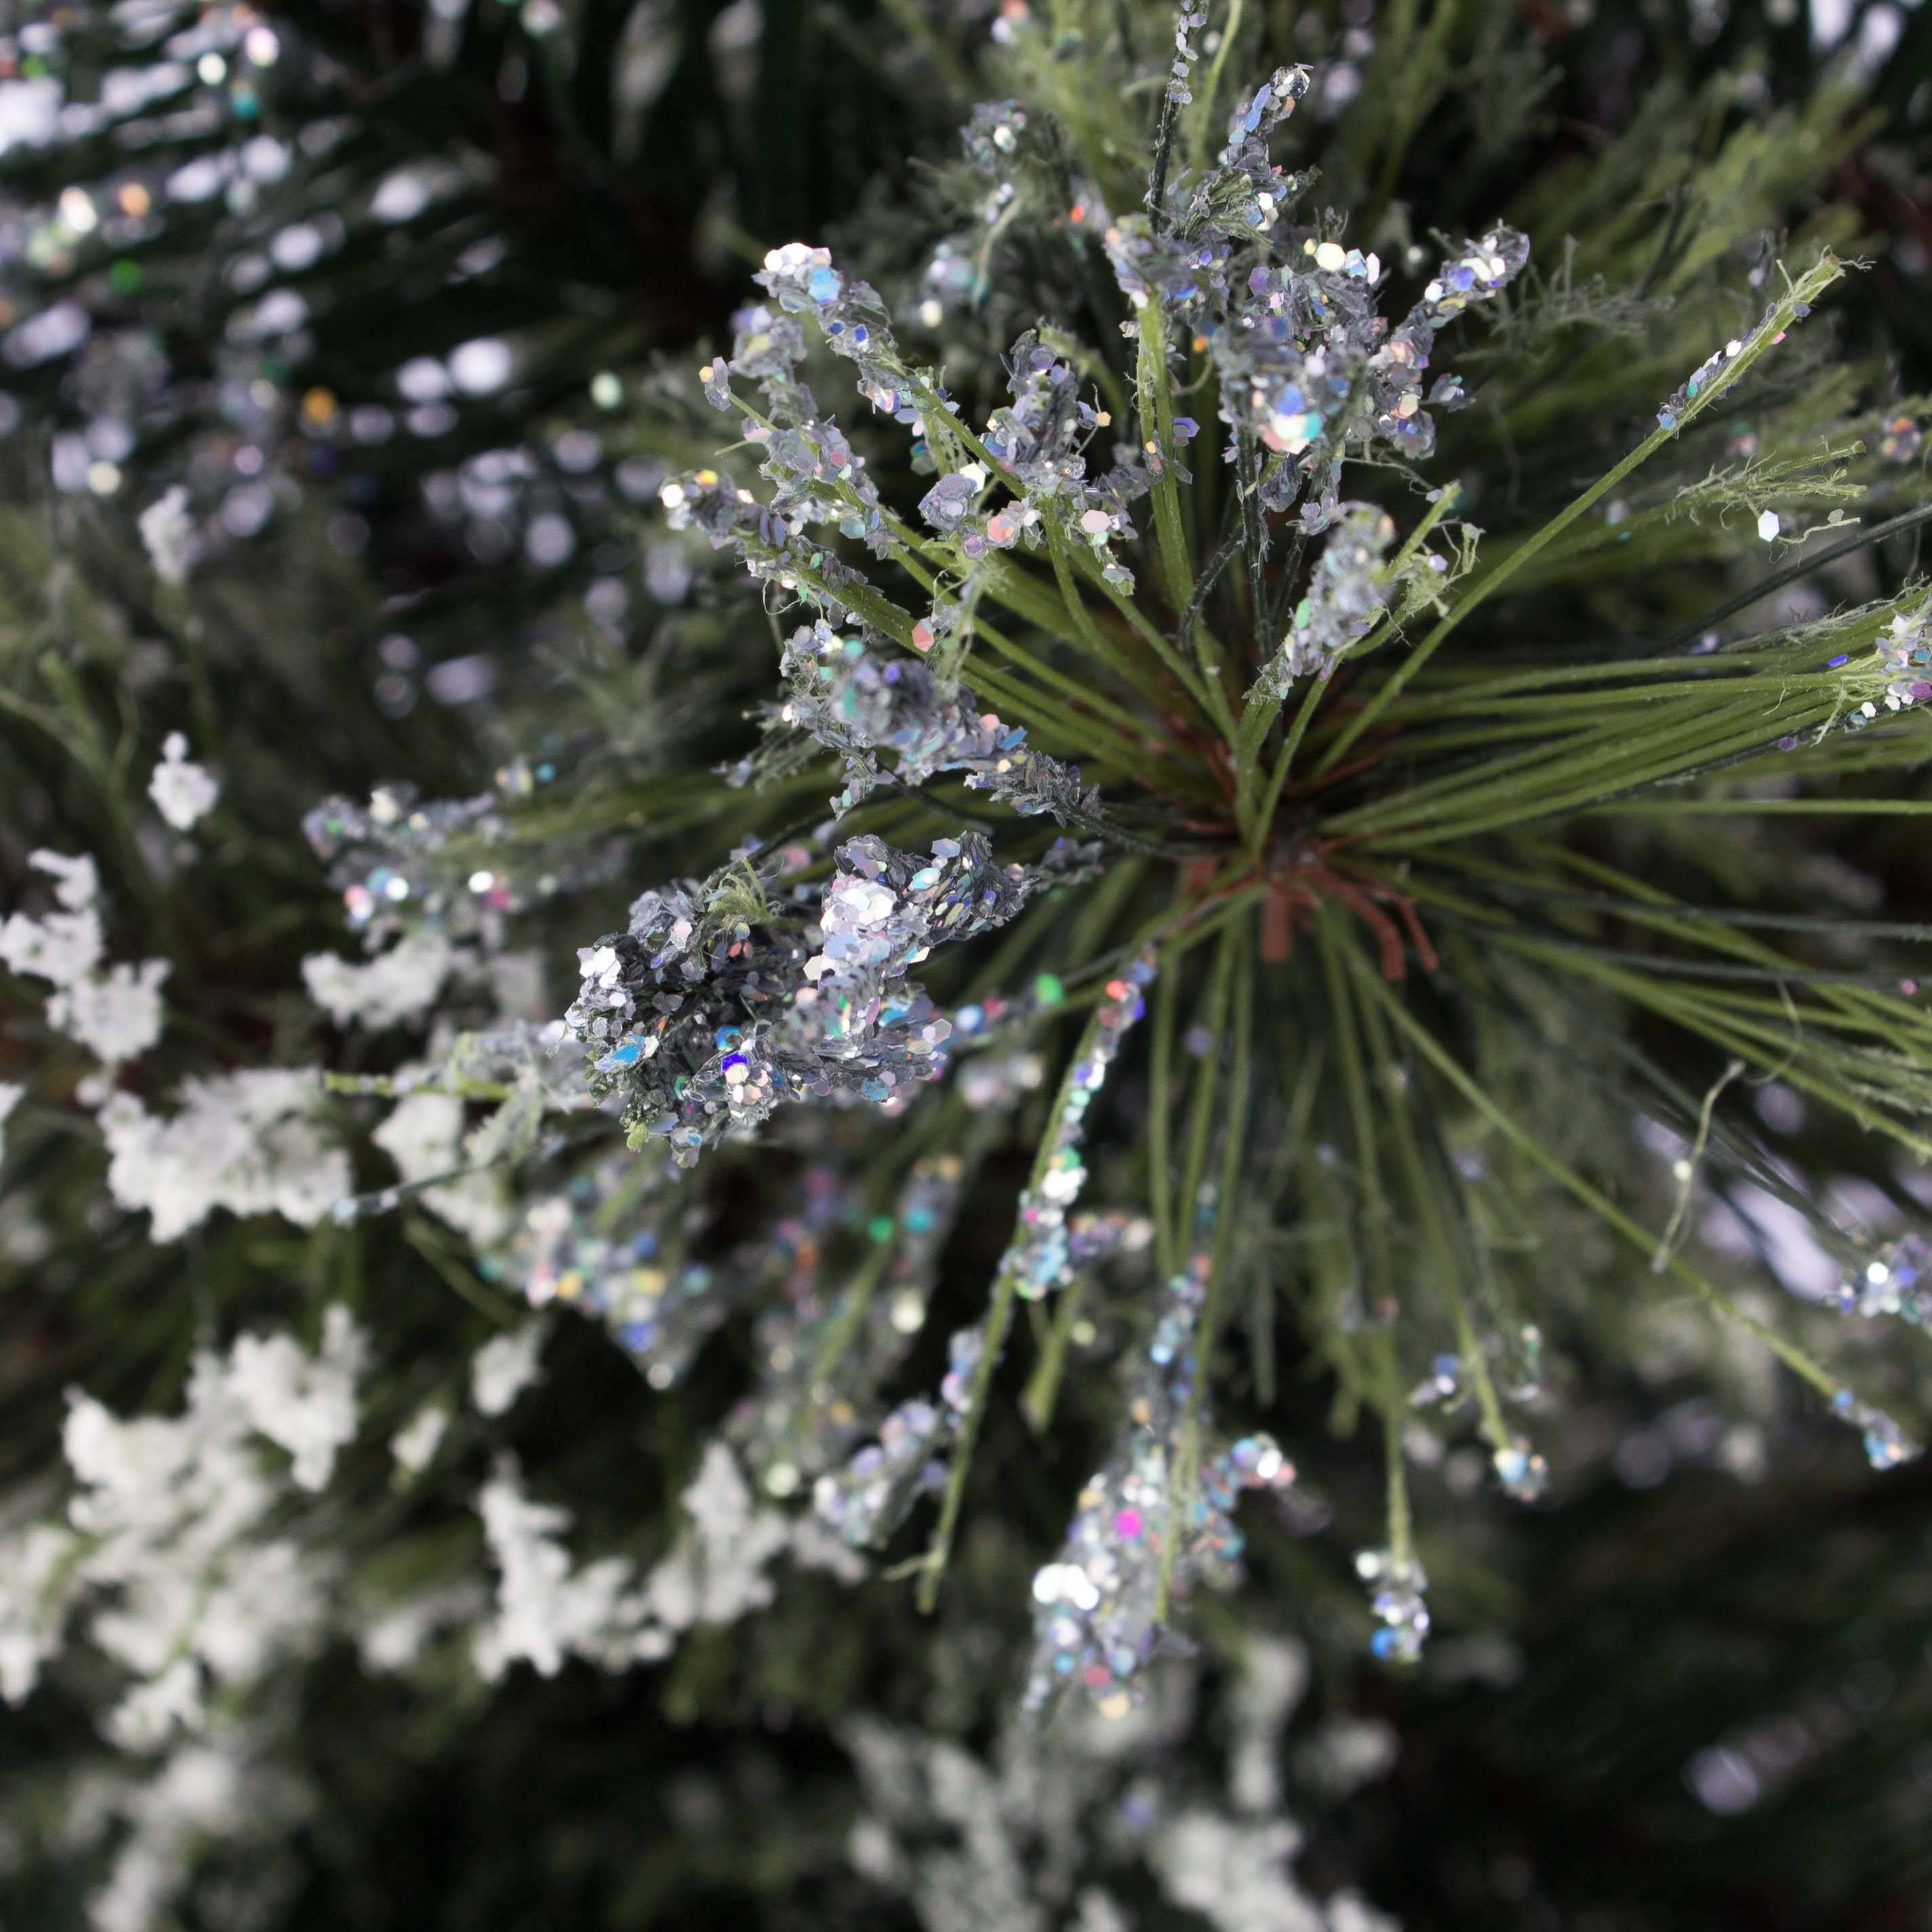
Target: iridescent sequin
(812, 986)
(1095, 1621)
(1347, 590)
(1887, 1445)
(1039, 1256)
(1397, 1586)
(852, 699)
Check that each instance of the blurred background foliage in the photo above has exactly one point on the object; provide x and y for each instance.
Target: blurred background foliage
(1692, 1700)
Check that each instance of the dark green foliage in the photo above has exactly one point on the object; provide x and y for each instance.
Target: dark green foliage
(1632, 1627)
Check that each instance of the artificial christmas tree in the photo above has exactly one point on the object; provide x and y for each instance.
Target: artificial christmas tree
(1287, 945)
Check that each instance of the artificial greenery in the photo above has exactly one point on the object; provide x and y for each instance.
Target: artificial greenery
(1527, 963)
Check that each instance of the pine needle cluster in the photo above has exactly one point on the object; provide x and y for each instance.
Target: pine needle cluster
(1229, 786)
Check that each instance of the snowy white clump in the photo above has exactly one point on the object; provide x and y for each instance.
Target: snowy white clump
(399, 985)
(183, 1559)
(250, 1141)
(549, 1607)
(60, 947)
(393, 1637)
(716, 1572)
(37, 1588)
(415, 1445)
(114, 1013)
(167, 533)
(183, 792)
(1046, 1833)
(424, 1136)
(216, 1790)
(176, 1551)
(77, 879)
(506, 1366)
(305, 1403)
